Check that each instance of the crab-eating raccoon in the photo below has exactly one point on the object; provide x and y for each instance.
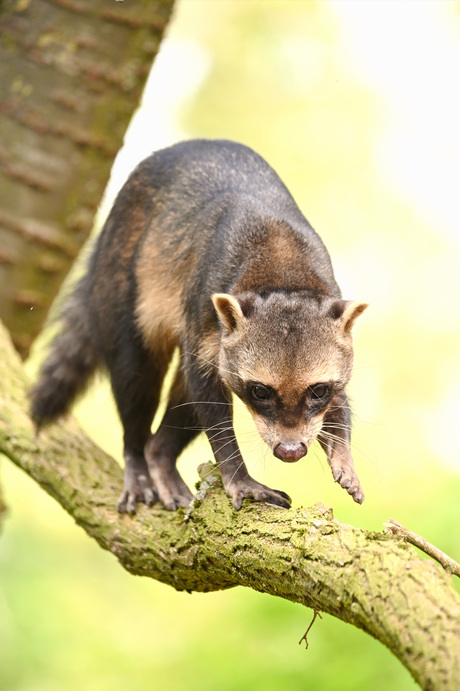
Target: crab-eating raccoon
(205, 250)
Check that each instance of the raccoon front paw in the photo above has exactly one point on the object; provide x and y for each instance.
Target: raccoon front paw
(249, 488)
(347, 478)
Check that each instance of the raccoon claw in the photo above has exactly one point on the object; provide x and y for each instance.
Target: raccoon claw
(172, 490)
(284, 495)
(258, 492)
(137, 486)
(129, 500)
(358, 496)
(349, 481)
(172, 500)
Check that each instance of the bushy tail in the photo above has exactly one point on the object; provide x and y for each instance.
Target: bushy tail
(70, 364)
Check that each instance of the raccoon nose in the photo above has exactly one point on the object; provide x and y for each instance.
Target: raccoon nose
(290, 453)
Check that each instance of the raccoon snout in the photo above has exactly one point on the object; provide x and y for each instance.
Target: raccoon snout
(290, 453)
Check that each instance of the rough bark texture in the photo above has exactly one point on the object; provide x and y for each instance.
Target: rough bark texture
(376, 582)
(71, 74)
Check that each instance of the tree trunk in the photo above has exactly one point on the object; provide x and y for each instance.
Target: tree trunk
(71, 74)
(371, 580)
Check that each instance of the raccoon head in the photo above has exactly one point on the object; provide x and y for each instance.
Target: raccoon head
(287, 357)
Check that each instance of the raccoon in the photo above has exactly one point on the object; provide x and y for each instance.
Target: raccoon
(206, 251)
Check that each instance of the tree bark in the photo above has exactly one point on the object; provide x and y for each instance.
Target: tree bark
(374, 581)
(71, 74)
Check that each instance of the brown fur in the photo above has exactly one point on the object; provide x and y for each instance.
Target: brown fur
(159, 311)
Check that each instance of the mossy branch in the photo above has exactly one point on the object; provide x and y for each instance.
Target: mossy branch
(372, 580)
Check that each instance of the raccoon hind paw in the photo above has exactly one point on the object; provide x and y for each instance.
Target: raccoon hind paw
(138, 486)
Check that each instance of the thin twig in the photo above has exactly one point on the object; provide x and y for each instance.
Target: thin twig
(449, 564)
(316, 613)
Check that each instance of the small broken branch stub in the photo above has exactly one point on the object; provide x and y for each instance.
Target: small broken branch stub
(316, 613)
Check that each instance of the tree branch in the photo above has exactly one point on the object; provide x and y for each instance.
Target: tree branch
(449, 564)
(374, 581)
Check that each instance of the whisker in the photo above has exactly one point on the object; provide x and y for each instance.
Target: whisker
(337, 425)
(214, 431)
(189, 429)
(233, 455)
(346, 428)
(240, 465)
(218, 437)
(208, 362)
(230, 440)
(226, 422)
(328, 436)
(181, 405)
(200, 357)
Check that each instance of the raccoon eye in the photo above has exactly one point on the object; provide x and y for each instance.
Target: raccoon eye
(318, 391)
(260, 392)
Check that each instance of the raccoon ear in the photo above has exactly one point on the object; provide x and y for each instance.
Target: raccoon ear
(347, 311)
(228, 310)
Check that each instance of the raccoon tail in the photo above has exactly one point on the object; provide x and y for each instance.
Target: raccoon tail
(72, 361)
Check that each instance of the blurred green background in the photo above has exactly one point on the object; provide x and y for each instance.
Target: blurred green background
(355, 105)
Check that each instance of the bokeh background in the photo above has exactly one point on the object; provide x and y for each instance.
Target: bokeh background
(357, 106)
